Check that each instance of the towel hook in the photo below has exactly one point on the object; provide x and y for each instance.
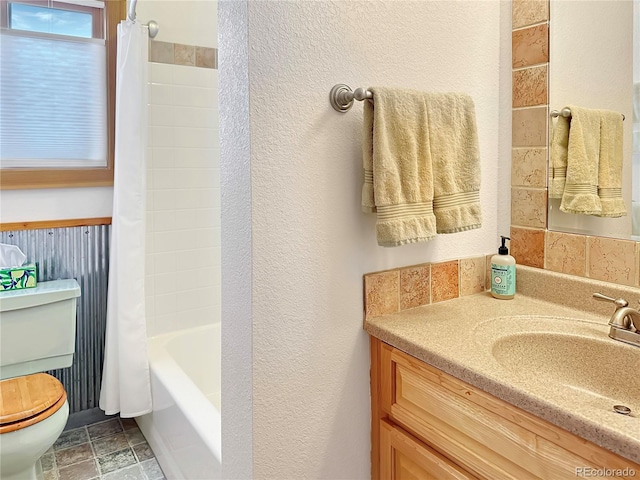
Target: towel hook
(341, 96)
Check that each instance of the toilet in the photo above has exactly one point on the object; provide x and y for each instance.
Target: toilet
(37, 334)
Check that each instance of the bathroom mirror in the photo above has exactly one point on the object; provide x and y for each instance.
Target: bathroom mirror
(594, 62)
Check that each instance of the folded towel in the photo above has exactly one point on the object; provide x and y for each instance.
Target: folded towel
(422, 164)
(558, 154)
(455, 156)
(610, 166)
(581, 188)
(398, 177)
(368, 200)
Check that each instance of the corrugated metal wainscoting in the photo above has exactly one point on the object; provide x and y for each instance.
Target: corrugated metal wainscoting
(81, 253)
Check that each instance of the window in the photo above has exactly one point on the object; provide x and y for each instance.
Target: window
(57, 92)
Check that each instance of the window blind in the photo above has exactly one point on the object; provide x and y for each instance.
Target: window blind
(53, 105)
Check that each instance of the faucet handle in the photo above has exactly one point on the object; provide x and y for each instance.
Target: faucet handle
(620, 302)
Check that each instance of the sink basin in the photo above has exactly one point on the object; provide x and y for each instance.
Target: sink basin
(569, 355)
(598, 366)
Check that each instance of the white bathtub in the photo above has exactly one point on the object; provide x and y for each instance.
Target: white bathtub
(184, 428)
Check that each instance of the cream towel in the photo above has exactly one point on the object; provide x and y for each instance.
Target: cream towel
(398, 178)
(455, 156)
(368, 200)
(417, 144)
(581, 188)
(610, 166)
(559, 152)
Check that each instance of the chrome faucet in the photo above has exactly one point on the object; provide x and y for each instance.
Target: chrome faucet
(625, 321)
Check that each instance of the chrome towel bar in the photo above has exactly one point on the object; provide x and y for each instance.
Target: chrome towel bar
(566, 112)
(341, 96)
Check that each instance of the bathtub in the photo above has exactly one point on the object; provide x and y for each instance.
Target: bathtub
(184, 428)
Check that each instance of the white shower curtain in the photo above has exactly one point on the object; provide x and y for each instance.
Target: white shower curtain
(125, 378)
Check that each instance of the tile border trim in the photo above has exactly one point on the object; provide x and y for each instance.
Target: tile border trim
(184, 55)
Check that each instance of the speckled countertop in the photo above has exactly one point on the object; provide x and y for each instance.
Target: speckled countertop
(457, 336)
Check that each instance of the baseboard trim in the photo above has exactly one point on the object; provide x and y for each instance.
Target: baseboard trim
(87, 417)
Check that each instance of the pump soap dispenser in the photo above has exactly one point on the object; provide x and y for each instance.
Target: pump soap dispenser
(503, 273)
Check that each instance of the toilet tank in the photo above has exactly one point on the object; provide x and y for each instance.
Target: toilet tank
(38, 328)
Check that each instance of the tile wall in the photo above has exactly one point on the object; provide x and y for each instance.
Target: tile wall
(607, 259)
(400, 289)
(183, 193)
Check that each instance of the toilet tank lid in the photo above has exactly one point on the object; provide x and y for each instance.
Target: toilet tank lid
(45, 292)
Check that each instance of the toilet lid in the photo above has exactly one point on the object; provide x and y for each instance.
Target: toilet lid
(29, 399)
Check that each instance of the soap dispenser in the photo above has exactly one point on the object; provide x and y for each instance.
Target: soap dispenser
(503, 273)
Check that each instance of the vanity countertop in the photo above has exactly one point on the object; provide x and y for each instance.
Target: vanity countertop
(449, 336)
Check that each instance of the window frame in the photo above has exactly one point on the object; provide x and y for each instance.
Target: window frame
(97, 27)
(30, 178)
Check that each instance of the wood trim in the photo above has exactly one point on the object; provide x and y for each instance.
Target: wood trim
(115, 11)
(384, 466)
(376, 413)
(75, 222)
(29, 178)
(396, 444)
(387, 378)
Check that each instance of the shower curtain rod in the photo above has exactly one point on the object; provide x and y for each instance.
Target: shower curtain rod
(132, 10)
(153, 26)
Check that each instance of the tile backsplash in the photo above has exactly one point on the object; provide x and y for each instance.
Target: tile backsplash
(186, 55)
(400, 289)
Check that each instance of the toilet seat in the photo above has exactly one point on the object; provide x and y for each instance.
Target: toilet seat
(27, 400)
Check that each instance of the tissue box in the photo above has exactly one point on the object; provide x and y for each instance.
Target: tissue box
(17, 278)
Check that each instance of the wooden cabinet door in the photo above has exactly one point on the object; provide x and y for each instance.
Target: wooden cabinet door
(403, 457)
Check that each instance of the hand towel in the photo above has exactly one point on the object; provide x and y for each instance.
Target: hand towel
(581, 188)
(610, 165)
(368, 200)
(558, 153)
(455, 157)
(398, 173)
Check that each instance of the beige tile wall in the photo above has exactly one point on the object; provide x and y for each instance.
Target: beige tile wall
(399, 289)
(186, 55)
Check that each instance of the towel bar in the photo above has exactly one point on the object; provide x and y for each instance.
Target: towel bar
(341, 96)
(566, 112)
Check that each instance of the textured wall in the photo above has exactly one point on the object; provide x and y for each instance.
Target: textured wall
(310, 243)
(235, 186)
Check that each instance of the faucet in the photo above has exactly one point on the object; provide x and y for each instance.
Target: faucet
(625, 321)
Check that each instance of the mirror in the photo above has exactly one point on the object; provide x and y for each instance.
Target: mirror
(594, 62)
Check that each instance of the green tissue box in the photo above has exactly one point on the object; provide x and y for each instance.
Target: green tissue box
(18, 278)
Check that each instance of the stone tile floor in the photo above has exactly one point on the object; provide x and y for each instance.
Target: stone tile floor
(114, 449)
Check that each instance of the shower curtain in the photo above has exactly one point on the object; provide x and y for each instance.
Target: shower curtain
(125, 377)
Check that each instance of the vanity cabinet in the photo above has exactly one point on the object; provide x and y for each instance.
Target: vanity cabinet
(427, 424)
